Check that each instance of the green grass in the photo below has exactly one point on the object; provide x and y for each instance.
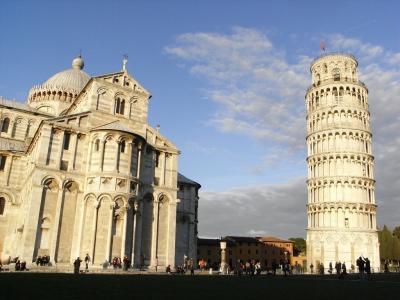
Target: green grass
(67, 286)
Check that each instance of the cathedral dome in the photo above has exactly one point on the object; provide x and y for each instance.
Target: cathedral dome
(57, 92)
(72, 79)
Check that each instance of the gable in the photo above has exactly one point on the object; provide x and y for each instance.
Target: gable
(125, 80)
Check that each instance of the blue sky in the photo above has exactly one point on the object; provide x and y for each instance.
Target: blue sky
(228, 80)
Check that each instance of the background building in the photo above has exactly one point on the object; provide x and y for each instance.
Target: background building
(81, 171)
(264, 249)
(341, 187)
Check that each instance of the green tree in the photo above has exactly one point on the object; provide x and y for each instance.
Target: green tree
(396, 232)
(395, 248)
(299, 246)
(386, 243)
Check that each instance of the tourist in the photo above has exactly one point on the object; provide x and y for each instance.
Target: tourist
(368, 267)
(38, 260)
(258, 268)
(274, 267)
(344, 270)
(168, 269)
(353, 269)
(191, 267)
(338, 267)
(321, 269)
(23, 266)
(87, 260)
(142, 261)
(77, 265)
(312, 268)
(17, 265)
(330, 268)
(386, 266)
(361, 265)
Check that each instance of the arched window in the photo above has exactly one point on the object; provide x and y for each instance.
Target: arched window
(119, 106)
(5, 125)
(28, 128)
(2, 205)
(122, 107)
(336, 74)
(97, 145)
(3, 159)
(122, 147)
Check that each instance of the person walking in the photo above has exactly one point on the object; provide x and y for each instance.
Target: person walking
(87, 261)
(344, 270)
(368, 268)
(77, 265)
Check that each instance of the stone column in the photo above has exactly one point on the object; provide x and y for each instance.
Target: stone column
(171, 232)
(10, 169)
(134, 222)
(118, 157)
(164, 170)
(74, 147)
(109, 235)
(44, 142)
(223, 256)
(138, 166)
(123, 239)
(137, 247)
(130, 153)
(80, 231)
(154, 236)
(56, 228)
(102, 149)
(94, 228)
(89, 161)
(60, 149)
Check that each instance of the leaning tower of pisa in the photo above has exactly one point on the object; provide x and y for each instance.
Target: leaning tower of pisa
(341, 206)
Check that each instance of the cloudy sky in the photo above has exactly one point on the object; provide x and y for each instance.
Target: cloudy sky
(228, 80)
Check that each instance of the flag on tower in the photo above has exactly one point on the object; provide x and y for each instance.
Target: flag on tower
(322, 45)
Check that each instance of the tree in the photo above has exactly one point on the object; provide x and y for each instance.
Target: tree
(386, 243)
(396, 232)
(299, 246)
(396, 248)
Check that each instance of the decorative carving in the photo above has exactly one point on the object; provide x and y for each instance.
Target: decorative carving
(105, 179)
(121, 182)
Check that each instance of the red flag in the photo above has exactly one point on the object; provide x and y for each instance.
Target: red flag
(322, 45)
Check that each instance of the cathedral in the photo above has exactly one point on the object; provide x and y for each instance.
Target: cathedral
(82, 172)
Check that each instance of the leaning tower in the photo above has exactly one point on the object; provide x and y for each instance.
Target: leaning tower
(341, 206)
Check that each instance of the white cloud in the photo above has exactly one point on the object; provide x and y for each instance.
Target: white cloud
(261, 94)
(272, 209)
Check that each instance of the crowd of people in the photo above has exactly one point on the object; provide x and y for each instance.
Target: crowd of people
(43, 260)
(20, 265)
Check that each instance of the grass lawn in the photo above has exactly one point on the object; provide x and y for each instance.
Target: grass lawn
(67, 286)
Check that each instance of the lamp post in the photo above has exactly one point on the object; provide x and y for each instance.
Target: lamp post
(223, 253)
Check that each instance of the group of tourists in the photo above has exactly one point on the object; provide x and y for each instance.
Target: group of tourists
(117, 263)
(341, 269)
(364, 266)
(43, 260)
(20, 265)
(187, 265)
(251, 267)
